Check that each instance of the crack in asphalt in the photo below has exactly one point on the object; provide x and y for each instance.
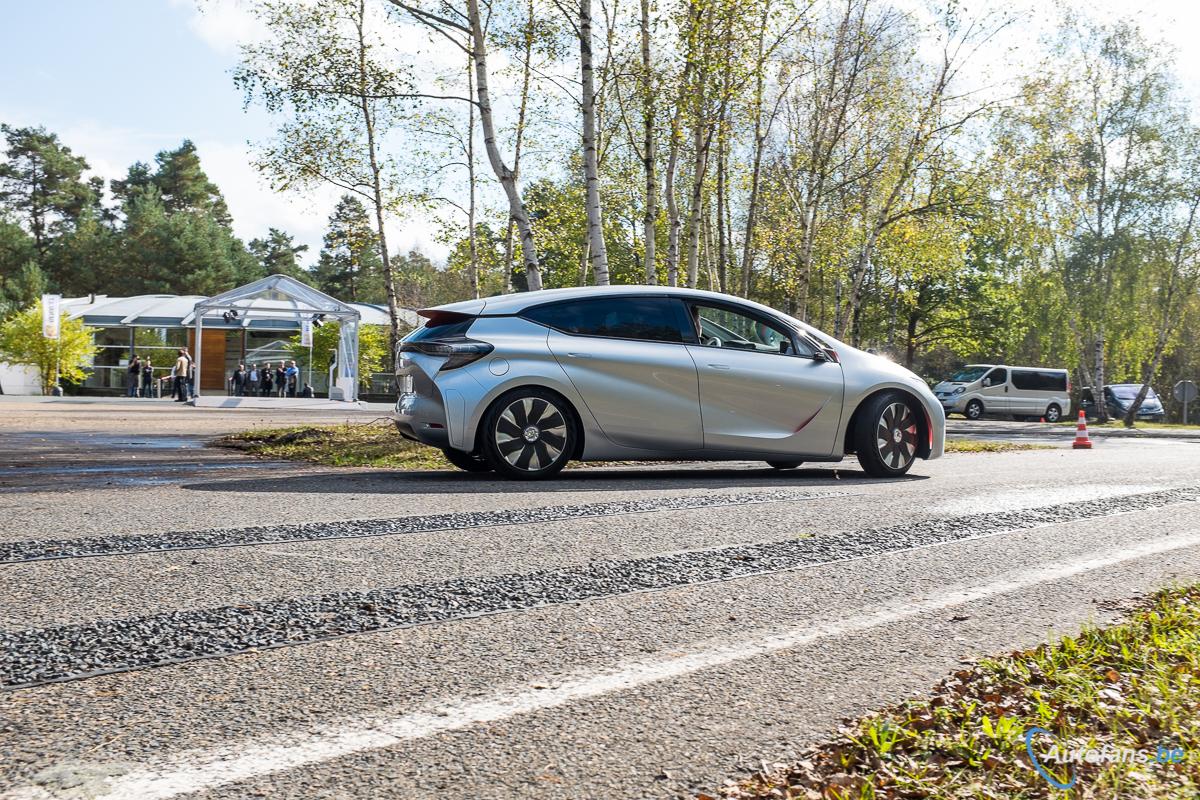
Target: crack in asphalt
(96, 546)
(71, 652)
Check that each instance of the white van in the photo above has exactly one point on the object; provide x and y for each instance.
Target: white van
(979, 389)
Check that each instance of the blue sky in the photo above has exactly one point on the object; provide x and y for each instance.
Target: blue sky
(119, 80)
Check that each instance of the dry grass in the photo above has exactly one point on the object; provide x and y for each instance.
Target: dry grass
(375, 444)
(1131, 687)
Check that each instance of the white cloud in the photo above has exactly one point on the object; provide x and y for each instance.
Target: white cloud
(223, 25)
(255, 207)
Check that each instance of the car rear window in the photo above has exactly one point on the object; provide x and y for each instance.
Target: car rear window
(442, 328)
(1039, 380)
(655, 319)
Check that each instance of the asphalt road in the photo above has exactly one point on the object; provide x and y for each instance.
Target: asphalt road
(182, 622)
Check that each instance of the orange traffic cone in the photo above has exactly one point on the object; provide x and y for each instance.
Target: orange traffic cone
(1082, 442)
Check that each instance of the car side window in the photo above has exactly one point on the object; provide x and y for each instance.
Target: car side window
(996, 377)
(654, 319)
(726, 328)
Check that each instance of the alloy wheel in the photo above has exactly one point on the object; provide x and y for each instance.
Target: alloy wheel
(896, 435)
(531, 433)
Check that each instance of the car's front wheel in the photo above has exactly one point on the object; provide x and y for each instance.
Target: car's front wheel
(528, 434)
(974, 410)
(466, 461)
(886, 436)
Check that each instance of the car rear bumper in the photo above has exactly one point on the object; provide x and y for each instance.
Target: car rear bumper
(421, 419)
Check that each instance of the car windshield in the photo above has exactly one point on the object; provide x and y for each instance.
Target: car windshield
(968, 374)
(1130, 391)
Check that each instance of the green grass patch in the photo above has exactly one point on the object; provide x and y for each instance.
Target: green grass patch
(374, 444)
(979, 446)
(1126, 690)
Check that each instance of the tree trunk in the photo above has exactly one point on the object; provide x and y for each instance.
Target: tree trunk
(910, 339)
(649, 226)
(591, 168)
(673, 220)
(472, 245)
(526, 71)
(696, 208)
(376, 189)
(507, 178)
(722, 244)
(1098, 388)
(756, 168)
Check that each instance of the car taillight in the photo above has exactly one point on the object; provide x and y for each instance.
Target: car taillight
(833, 356)
(457, 352)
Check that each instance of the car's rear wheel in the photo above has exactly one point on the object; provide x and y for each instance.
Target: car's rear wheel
(974, 410)
(528, 434)
(784, 464)
(466, 461)
(1053, 413)
(886, 436)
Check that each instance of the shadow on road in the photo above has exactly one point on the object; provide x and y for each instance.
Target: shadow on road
(572, 480)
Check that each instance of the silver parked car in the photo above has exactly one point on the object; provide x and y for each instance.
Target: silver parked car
(523, 383)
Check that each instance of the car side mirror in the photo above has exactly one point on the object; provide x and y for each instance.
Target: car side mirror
(987, 381)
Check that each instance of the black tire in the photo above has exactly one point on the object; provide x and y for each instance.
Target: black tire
(974, 410)
(528, 434)
(466, 461)
(886, 435)
(784, 464)
(1053, 413)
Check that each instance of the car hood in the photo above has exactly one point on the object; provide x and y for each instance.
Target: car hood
(946, 386)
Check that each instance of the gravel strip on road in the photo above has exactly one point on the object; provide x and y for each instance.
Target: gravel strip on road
(71, 652)
(93, 546)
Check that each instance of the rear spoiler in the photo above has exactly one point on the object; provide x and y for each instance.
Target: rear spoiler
(438, 317)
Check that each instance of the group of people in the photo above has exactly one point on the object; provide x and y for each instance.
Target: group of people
(266, 381)
(180, 381)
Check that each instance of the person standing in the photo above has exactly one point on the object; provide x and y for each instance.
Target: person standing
(134, 376)
(147, 379)
(293, 377)
(191, 374)
(281, 379)
(239, 381)
(179, 374)
(267, 380)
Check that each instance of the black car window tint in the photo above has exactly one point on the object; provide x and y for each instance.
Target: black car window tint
(656, 319)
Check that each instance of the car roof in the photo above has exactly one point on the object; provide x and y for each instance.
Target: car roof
(1011, 366)
(505, 304)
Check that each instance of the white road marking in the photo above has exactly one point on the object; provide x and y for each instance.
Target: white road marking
(1037, 496)
(203, 769)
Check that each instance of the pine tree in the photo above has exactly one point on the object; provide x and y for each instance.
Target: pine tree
(349, 267)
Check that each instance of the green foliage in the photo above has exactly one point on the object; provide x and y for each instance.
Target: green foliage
(349, 267)
(373, 351)
(41, 183)
(277, 254)
(22, 342)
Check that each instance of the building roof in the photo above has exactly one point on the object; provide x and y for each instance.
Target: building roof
(174, 311)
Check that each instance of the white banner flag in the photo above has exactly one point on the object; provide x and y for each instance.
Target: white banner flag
(51, 308)
(306, 333)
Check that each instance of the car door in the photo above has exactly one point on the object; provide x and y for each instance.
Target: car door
(627, 358)
(994, 392)
(1025, 394)
(763, 388)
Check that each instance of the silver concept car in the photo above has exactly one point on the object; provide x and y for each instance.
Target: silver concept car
(522, 383)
